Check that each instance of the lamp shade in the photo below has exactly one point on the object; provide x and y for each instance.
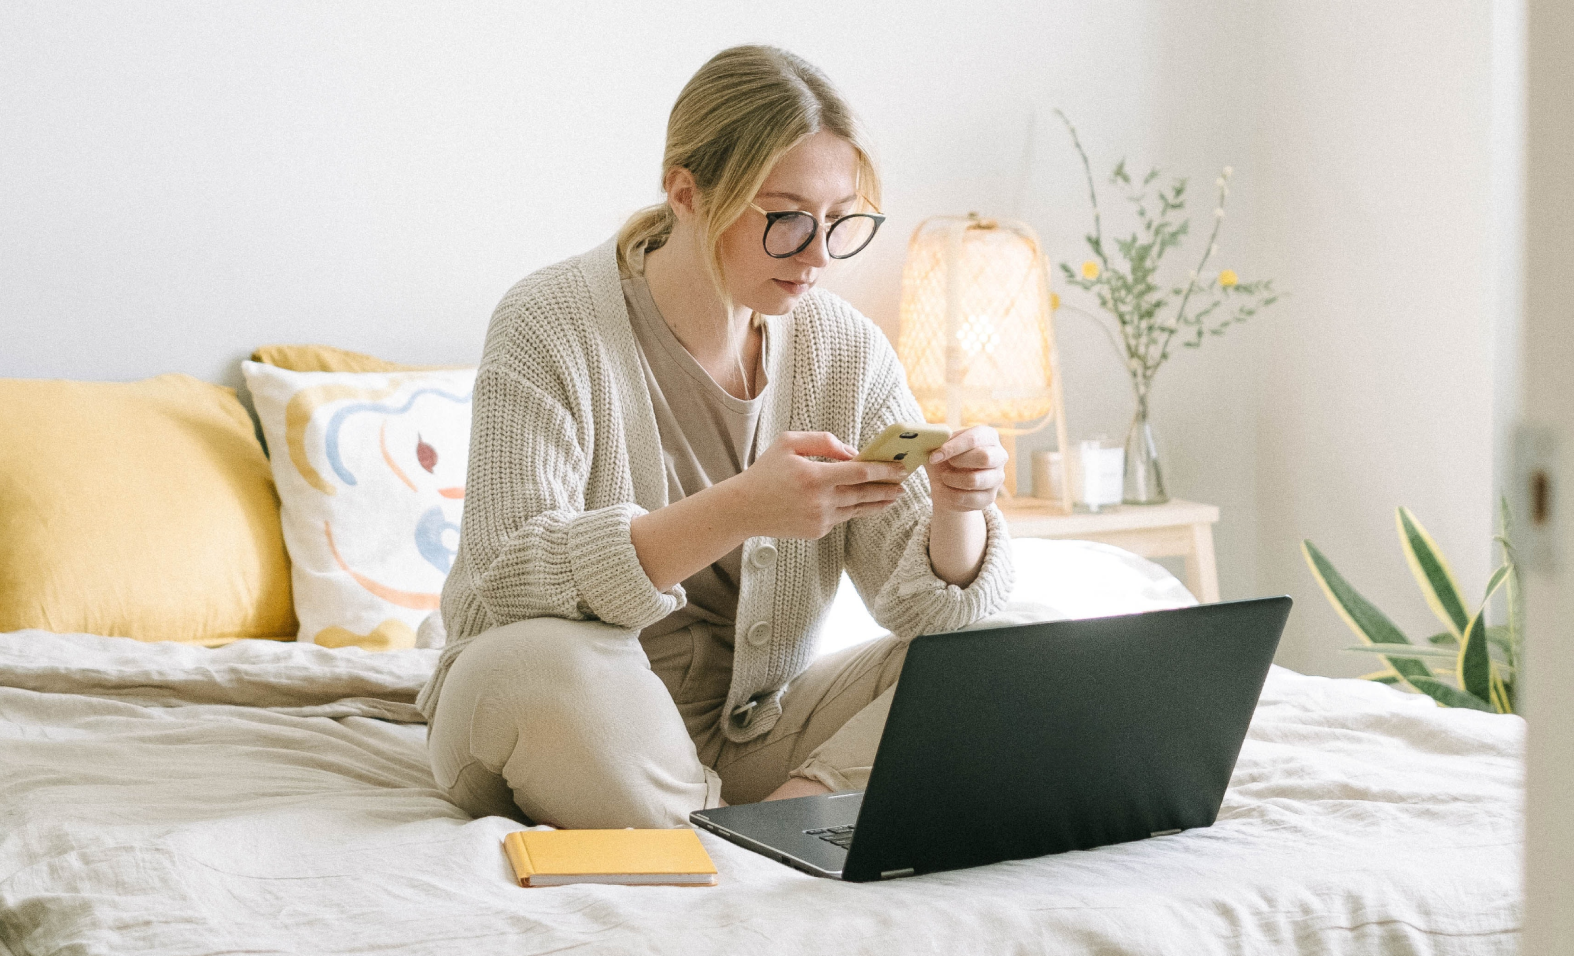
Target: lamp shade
(976, 335)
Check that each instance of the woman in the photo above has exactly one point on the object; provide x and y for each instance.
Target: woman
(661, 501)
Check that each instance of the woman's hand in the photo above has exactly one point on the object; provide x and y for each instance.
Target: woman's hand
(965, 474)
(787, 494)
(784, 494)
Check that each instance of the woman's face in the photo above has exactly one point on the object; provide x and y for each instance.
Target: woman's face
(818, 176)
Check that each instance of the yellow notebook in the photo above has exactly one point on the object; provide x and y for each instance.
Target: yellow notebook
(556, 857)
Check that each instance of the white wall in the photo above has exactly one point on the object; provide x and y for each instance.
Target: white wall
(1374, 386)
(1374, 158)
(182, 181)
(1203, 404)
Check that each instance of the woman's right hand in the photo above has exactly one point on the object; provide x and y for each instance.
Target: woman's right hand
(789, 495)
(784, 494)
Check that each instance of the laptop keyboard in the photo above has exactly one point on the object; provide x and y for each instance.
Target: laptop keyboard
(841, 836)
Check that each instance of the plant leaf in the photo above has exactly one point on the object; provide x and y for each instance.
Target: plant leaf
(1500, 698)
(1505, 533)
(1515, 631)
(1475, 653)
(1361, 615)
(1498, 637)
(1432, 572)
(1448, 695)
(1495, 581)
(1414, 651)
(1382, 677)
(1516, 596)
(1475, 664)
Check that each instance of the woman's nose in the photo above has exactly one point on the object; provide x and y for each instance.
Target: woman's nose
(815, 254)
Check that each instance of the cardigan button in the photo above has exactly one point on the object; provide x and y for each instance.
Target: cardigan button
(744, 715)
(760, 633)
(764, 556)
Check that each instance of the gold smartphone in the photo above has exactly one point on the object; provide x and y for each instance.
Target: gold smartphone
(908, 443)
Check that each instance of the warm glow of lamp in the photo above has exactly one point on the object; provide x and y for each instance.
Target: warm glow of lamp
(977, 332)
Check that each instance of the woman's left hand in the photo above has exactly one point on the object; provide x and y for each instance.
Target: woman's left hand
(967, 471)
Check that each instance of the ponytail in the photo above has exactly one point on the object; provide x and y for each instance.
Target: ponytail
(650, 226)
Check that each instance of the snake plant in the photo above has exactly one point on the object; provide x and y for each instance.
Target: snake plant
(1470, 663)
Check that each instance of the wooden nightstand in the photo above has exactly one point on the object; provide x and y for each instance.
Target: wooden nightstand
(1177, 528)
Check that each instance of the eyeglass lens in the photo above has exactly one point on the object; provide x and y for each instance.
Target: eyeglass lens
(790, 234)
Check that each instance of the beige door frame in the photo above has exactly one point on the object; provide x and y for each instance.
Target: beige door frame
(1547, 446)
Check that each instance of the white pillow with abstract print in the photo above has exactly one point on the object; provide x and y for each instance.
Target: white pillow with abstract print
(370, 469)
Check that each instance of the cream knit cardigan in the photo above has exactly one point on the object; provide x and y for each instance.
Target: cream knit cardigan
(564, 454)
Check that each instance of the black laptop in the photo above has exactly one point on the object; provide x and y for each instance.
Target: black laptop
(1015, 742)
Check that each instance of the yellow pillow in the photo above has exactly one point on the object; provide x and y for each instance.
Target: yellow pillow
(138, 509)
(326, 358)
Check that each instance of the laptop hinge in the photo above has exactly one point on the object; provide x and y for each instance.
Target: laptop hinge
(891, 874)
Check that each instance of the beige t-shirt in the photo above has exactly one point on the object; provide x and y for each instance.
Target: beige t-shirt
(707, 436)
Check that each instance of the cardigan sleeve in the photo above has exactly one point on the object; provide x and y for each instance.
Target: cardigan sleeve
(528, 546)
(888, 553)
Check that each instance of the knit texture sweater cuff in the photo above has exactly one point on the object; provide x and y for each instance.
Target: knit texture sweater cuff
(915, 601)
(611, 582)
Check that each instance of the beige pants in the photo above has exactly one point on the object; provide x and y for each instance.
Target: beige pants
(566, 722)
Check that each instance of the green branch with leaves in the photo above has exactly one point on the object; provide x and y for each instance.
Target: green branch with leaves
(1153, 315)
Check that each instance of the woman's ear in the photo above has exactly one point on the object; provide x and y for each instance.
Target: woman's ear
(682, 193)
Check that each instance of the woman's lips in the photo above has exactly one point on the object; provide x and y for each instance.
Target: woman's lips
(792, 288)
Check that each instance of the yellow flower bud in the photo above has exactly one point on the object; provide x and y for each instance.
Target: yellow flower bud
(1090, 270)
(1228, 278)
(1054, 301)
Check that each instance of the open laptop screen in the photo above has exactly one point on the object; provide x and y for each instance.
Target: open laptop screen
(1020, 741)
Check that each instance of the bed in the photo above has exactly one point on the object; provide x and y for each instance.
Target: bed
(274, 797)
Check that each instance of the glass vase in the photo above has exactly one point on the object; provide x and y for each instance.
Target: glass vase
(1144, 477)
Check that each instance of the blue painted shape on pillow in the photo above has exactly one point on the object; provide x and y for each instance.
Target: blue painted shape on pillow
(429, 539)
(332, 443)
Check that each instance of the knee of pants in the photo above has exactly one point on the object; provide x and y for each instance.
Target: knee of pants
(514, 681)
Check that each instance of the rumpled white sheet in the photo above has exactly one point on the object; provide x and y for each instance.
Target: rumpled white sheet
(174, 800)
(1055, 581)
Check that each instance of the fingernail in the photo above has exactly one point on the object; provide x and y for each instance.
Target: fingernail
(936, 458)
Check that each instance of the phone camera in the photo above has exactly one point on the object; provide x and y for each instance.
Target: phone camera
(909, 434)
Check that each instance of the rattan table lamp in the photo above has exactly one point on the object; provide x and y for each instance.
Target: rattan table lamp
(977, 333)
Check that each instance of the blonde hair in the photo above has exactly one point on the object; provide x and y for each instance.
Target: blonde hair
(733, 120)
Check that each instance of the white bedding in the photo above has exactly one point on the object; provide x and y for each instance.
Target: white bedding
(262, 798)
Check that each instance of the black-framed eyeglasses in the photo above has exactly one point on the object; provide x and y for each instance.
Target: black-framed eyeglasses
(789, 233)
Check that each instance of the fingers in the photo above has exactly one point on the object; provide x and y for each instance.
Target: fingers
(863, 472)
(969, 479)
(821, 444)
(988, 456)
(975, 441)
(861, 510)
(968, 470)
(873, 491)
